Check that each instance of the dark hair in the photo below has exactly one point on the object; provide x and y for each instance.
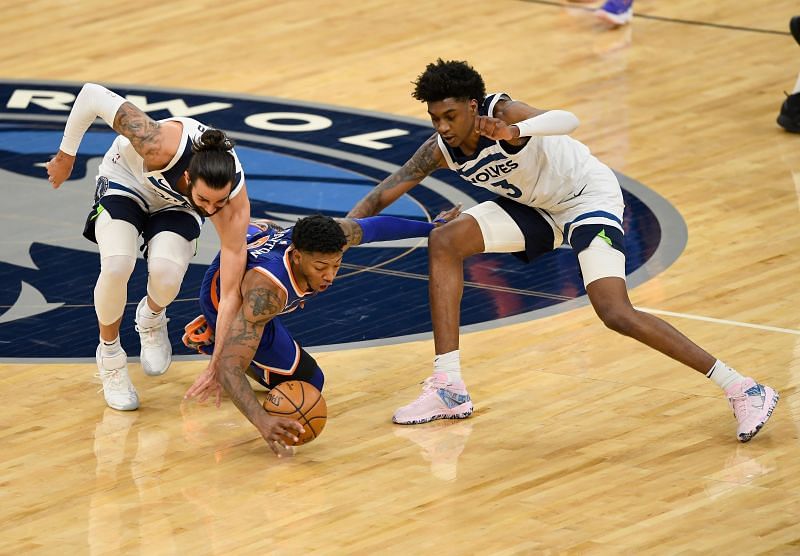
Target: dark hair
(451, 79)
(212, 160)
(318, 234)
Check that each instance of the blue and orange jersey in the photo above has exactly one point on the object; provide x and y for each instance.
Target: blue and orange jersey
(268, 252)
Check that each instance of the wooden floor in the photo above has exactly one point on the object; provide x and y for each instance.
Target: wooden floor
(583, 442)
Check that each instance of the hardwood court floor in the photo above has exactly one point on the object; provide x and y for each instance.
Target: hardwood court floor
(583, 442)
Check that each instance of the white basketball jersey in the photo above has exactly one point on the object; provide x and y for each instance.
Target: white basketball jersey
(542, 173)
(122, 164)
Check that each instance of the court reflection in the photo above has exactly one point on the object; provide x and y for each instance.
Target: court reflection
(441, 443)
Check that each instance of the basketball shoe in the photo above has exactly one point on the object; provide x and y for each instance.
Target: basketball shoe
(789, 117)
(156, 354)
(616, 12)
(118, 389)
(439, 400)
(752, 405)
(198, 335)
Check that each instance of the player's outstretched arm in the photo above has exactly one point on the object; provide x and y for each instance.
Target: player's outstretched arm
(427, 159)
(262, 300)
(390, 228)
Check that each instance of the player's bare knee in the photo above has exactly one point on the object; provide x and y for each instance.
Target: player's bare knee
(619, 318)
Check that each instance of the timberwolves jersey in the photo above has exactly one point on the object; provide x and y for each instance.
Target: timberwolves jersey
(542, 173)
(123, 166)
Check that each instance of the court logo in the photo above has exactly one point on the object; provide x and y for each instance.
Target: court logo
(298, 159)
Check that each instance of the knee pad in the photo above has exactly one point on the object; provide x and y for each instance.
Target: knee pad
(168, 258)
(111, 290)
(600, 260)
(164, 280)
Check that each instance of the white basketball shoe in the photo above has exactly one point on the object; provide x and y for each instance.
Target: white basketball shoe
(156, 354)
(118, 389)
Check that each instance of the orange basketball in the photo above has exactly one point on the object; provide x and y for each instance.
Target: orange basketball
(299, 401)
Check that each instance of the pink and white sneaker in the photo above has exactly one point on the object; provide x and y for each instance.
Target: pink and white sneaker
(439, 400)
(752, 405)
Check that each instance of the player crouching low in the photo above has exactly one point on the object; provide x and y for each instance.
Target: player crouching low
(285, 268)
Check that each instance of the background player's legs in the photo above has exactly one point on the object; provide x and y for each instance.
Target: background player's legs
(116, 240)
(167, 260)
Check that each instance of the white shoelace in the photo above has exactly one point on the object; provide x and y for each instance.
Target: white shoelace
(113, 377)
(150, 334)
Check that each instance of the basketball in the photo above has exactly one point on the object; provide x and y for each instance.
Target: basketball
(302, 402)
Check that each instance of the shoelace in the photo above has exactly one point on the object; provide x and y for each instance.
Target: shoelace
(150, 333)
(430, 386)
(739, 404)
(113, 376)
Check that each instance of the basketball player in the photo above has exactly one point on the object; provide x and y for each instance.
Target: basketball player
(159, 179)
(551, 190)
(285, 268)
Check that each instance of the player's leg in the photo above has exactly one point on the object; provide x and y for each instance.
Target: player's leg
(171, 237)
(115, 225)
(603, 268)
(280, 358)
(499, 226)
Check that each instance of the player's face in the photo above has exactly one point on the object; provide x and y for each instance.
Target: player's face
(207, 201)
(319, 269)
(454, 120)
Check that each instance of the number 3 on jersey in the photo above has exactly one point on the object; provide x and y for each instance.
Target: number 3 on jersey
(511, 190)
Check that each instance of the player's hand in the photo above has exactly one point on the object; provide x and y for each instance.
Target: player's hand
(494, 128)
(59, 168)
(204, 386)
(279, 432)
(447, 215)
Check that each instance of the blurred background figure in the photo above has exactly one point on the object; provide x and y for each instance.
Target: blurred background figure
(789, 117)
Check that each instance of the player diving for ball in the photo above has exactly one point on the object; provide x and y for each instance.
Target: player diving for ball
(285, 268)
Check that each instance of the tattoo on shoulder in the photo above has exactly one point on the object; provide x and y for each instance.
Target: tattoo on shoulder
(140, 129)
(425, 160)
(263, 303)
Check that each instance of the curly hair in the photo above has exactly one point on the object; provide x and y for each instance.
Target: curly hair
(449, 79)
(212, 159)
(318, 234)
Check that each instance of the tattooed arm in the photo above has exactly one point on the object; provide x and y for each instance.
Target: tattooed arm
(156, 143)
(262, 301)
(427, 159)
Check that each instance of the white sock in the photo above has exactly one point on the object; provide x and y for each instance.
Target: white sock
(797, 85)
(722, 375)
(147, 313)
(110, 348)
(449, 363)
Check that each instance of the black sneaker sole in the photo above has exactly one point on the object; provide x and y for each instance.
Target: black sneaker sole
(788, 124)
(794, 27)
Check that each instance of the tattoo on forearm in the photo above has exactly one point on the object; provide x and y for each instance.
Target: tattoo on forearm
(237, 354)
(419, 166)
(141, 130)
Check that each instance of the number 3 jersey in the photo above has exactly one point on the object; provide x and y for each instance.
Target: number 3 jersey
(542, 173)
